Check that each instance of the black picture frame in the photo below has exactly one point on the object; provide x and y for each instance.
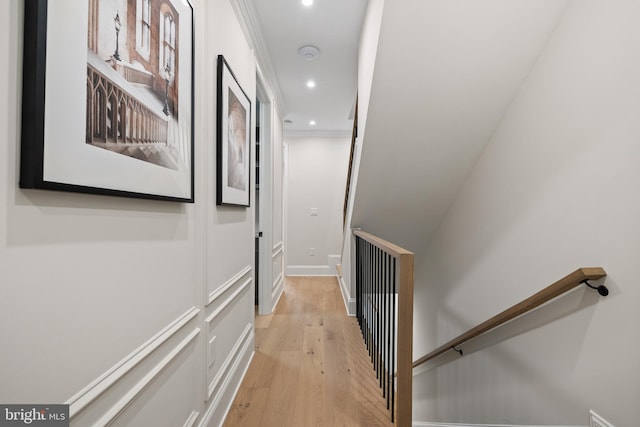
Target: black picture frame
(92, 113)
(233, 136)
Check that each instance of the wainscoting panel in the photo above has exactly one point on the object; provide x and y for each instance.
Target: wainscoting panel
(191, 421)
(137, 380)
(228, 284)
(226, 332)
(278, 272)
(224, 386)
(228, 322)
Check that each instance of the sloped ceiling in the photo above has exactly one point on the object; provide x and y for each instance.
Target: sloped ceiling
(446, 72)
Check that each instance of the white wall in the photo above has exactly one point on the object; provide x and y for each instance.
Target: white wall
(317, 173)
(104, 297)
(556, 189)
(367, 51)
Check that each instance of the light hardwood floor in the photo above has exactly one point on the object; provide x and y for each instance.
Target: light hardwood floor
(310, 367)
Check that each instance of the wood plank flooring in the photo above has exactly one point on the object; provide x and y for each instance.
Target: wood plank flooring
(311, 367)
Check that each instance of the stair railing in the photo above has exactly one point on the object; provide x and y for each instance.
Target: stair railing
(384, 309)
(354, 135)
(580, 276)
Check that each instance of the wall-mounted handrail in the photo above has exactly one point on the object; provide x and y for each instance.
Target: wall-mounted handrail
(581, 275)
(384, 306)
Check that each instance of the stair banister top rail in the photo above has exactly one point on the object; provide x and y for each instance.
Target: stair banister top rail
(388, 247)
(580, 276)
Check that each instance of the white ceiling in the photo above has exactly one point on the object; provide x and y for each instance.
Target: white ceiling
(334, 27)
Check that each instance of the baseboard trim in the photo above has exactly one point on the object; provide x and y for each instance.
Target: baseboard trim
(310, 270)
(349, 303)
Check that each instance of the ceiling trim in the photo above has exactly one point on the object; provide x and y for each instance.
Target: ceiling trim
(248, 17)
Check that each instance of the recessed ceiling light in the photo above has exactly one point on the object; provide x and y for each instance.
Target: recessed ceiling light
(311, 84)
(312, 122)
(307, 2)
(309, 52)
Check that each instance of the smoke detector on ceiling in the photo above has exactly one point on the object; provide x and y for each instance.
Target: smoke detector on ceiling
(309, 52)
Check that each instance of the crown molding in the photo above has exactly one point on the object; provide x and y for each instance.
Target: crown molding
(248, 17)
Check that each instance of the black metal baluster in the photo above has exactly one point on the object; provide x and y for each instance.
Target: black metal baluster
(369, 308)
(379, 317)
(385, 329)
(377, 320)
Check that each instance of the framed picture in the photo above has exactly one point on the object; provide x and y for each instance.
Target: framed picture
(233, 138)
(108, 98)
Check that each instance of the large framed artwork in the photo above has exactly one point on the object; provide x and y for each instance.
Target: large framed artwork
(233, 139)
(108, 98)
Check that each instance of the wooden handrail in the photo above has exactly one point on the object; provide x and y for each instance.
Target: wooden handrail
(388, 247)
(354, 135)
(404, 352)
(547, 294)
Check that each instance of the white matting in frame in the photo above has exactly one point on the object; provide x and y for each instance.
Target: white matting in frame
(233, 139)
(108, 98)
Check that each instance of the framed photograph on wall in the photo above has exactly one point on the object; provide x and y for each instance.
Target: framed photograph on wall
(233, 139)
(108, 98)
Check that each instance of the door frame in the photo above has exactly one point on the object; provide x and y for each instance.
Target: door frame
(265, 199)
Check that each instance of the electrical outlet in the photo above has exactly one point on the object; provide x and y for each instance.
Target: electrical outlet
(598, 421)
(312, 251)
(314, 211)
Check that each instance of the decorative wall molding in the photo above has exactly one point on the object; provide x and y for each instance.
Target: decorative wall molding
(142, 385)
(229, 283)
(87, 395)
(278, 248)
(191, 421)
(233, 356)
(277, 282)
(209, 320)
(277, 288)
(245, 356)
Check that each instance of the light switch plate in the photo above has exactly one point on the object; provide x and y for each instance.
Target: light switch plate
(597, 421)
(314, 211)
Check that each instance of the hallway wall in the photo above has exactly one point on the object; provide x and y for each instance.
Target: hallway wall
(132, 310)
(555, 189)
(317, 175)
